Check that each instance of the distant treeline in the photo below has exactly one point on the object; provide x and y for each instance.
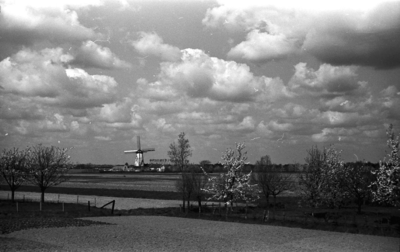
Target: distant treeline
(218, 167)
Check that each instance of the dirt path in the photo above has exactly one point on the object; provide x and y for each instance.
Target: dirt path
(158, 233)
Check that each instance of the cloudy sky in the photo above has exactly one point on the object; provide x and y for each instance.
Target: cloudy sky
(280, 76)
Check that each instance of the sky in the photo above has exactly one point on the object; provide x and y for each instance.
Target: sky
(280, 76)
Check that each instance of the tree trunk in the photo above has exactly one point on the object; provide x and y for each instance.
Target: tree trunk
(12, 194)
(183, 204)
(226, 210)
(359, 204)
(42, 195)
(199, 201)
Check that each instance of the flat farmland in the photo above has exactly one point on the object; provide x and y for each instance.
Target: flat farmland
(132, 181)
(124, 181)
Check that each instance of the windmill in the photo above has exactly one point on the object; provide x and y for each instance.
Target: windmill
(139, 153)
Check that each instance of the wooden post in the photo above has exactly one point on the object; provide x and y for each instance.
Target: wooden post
(63, 209)
(113, 204)
(246, 210)
(88, 203)
(199, 211)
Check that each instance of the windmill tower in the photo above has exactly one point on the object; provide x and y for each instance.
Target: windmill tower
(139, 162)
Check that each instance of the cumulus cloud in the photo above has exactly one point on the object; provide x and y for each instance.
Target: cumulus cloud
(152, 44)
(335, 135)
(26, 23)
(263, 47)
(246, 125)
(367, 35)
(368, 39)
(42, 76)
(389, 101)
(327, 80)
(91, 54)
(202, 76)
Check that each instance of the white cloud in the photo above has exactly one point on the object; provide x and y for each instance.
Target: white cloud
(327, 80)
(162, 125)
(263, 47)
(42, 77)
(336, 135)
(335, 33)
(277, 126)
(91, 54)
(33, 73)
(152, 44)
(28, 22)
(246, 125)
(200, 76)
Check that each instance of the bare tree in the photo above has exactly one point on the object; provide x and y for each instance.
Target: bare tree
(358, 177)
(273, 182)
(312, 179)
(13, 163)
(185, 186)
(179, 153)
(199, 183)
(206, 165)
(48, 166)
(263, 162)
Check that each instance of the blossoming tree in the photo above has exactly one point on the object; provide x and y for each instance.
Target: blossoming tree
(233, 184)
(386, 188)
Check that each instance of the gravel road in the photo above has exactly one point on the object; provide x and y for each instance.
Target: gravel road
(158, 233)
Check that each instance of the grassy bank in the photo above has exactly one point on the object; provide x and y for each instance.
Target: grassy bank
(28, 215)
(104, 192)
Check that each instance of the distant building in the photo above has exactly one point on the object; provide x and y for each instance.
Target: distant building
(163, 161)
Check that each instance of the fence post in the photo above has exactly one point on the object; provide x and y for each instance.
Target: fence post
(63, 209)
(246, 210)
(88, 205)
(199, 211)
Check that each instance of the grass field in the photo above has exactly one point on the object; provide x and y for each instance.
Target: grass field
(374, 220)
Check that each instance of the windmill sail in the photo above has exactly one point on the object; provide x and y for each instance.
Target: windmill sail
(139, 161)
